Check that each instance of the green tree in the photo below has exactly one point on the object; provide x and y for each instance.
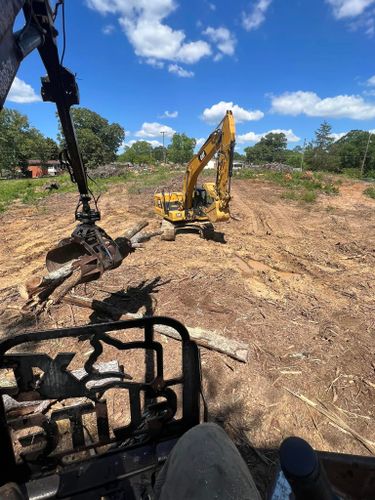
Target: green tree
(158, 153)
(238, 156)
(349, 151)
(98, 139)
(181, 148)
(318, 152)
(13, 130)
(139, 152)
(51, 148)
(271, 148)
(294, 157)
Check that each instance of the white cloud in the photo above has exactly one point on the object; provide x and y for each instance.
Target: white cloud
(108, 29)
(181, 72)
(358, 12)
(338, 135)
(257, 15)
(154, 129)
(371, 82)
(154, 63)
(224, 40)
(254, 137)
(349, 8)
(310, 104)
(22, 93)
(211, 6)
(155, 143)
(169, 114)
(216, 113)
(200, 142)
(143, 22)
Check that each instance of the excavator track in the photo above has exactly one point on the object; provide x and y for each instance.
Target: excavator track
(205, 230)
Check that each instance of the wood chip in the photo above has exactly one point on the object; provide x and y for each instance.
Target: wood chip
(320, 407)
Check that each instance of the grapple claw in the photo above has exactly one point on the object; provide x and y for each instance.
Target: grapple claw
(93, 249)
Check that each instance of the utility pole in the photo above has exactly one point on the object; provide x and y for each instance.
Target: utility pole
(365, 157)
(163, 134)
(303, 154)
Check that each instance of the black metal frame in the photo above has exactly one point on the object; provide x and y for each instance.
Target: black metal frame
(157, 423)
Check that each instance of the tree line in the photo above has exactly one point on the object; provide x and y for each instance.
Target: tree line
(180, 150)
(355, 150)
(100, 141)
(20, 142)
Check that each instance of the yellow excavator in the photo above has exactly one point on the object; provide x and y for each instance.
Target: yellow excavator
(196, 208)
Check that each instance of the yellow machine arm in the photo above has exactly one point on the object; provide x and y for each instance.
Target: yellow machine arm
(221, 141)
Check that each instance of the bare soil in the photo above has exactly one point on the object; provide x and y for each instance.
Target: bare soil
(294, 281)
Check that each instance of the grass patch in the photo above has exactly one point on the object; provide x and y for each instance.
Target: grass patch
(299, 186)
(290, 195)
(309, 196)
(370, 192)
(31, 191)
(23, 190)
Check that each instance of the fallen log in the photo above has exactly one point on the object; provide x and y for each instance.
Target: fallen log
(129, 233)
(206, 338)
(211, 340)
(96, 305)
(146, 236)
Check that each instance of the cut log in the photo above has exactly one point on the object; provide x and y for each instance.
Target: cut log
(135, 229)
(96, 305)
(211, 340)
(146, 236)
(206, 338)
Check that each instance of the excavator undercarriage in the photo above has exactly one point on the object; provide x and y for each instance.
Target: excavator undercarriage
(206, 230)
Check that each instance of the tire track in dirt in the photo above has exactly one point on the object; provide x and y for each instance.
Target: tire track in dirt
(293, 281)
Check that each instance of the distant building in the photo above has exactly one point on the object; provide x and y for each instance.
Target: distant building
(53, 167)
(211, 164)
(36, 169)
(237, 164)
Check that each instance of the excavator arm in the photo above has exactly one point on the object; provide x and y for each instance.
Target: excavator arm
(222, 142)
(59, 86)
(88, 241)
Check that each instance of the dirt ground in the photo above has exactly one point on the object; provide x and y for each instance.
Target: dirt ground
(296, 282)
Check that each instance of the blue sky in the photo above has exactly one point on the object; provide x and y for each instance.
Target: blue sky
(281, 65)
